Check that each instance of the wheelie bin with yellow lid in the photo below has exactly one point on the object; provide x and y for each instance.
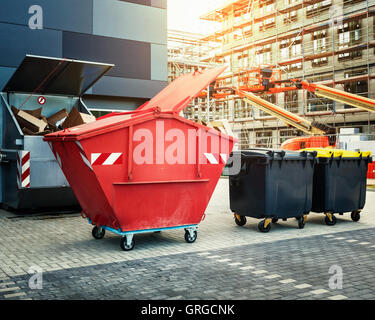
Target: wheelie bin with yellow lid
(339, 183)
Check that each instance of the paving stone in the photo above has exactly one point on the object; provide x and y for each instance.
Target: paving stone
(303, 286)
(163, 266)
(337, 297)
(319, 291)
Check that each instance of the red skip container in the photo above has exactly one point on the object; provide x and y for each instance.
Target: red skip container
(147, 170)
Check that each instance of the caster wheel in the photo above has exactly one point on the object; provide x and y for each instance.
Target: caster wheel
(240, 220)
(124, 246)
(274, 220)
(301, 222)
(332, 221)
(264, 226)
(355, 215)
(189, 238)
(97, 233)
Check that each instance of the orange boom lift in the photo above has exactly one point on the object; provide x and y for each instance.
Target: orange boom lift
(268, 80)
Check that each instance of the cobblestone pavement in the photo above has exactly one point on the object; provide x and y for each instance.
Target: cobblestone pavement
(226, 262)
(286, 269)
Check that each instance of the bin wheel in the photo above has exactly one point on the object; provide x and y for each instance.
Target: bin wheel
(240, 220)
(356, 215)
(190, 238)
(274, 220)
(330, 219)
(301, 222)
(124, 246)
(98, 233)
(264, 226)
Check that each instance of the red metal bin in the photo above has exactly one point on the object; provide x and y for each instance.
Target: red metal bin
(147, 170)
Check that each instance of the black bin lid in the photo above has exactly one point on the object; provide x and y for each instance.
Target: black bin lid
(276, 154)
(55, 76)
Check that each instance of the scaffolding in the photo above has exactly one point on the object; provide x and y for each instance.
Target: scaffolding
(322, 41)
(186, 52)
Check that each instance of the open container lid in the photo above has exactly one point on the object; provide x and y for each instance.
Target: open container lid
(55, 76)
(185, 88)
(180, 92)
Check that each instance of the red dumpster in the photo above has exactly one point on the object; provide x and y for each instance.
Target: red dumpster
(147, 170)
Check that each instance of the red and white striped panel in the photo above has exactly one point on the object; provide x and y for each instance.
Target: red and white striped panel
(23, 169)
(83, 155)
(106, 159)
(58, 159)
(215, 158)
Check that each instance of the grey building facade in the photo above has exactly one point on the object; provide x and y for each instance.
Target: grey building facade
(130, 34)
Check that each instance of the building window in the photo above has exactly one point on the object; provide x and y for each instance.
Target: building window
(349, 36)
(318, 8)
(315, 103)
(295, 66)
(355, 73)
(267, 7)
(291, 101)
(356, 87)
(296, 47)
(270, 98)
(284, 49)
(350, 55)
(267, 24)
(263, 139)
(296, 50)
(320, 41)
(348, 3)
(263, 54)
(319, 62)
(290, 17)
(349, 33)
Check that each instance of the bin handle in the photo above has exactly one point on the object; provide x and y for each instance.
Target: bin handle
(281, 153)
(306, 153)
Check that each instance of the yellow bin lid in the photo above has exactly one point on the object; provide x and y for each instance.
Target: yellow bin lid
(337, 153)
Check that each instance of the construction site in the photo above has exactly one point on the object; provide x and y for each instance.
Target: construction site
(322, 42)
(201, 151)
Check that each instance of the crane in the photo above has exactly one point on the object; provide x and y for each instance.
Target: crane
(268, 80)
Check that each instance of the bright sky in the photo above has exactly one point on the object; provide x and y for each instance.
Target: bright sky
(184, 15)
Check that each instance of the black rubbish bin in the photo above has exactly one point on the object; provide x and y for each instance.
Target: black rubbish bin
(340, 183)
(272, 185)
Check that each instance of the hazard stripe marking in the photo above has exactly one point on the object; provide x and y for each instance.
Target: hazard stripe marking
(106, 159)
(23, 169)
(86, 161)
(211, 158)
(216, 158)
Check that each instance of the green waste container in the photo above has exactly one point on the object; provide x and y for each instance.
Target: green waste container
(339, 183)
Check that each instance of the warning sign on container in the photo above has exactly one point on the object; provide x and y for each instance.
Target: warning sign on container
(41, 100)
